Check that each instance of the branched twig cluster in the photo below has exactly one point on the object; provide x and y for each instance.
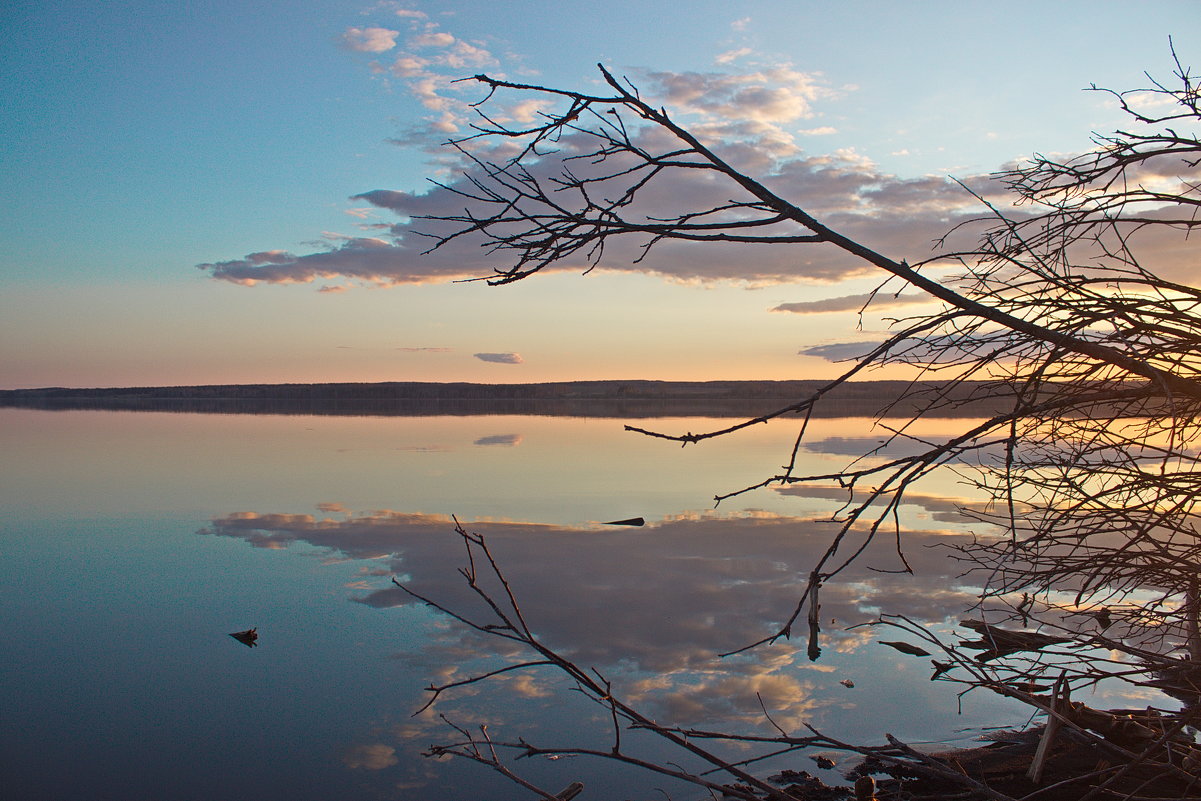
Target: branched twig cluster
(1091, 355)
(504, 619)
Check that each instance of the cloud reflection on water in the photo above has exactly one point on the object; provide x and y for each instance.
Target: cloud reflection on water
(335, 680)
(500, 439)
(654, 605)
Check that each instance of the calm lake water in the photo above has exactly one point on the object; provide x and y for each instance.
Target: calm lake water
(134, 542)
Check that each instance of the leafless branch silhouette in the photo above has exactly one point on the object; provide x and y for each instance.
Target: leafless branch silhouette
(1091, 465)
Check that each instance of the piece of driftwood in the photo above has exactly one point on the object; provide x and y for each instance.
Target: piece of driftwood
(865, 789)
(1059, 699)
(802, 784)
(814, 650)
(905, 648)
(1141, 754)
(997, 642)
(570, 791)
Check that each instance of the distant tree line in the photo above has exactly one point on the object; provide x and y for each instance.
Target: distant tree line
(570, 398)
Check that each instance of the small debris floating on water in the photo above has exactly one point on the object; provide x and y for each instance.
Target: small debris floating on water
(249, 638)
(905, 648)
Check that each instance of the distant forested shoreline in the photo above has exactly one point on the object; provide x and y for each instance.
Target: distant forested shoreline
(623, 399)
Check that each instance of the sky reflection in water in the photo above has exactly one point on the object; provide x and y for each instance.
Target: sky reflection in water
(119, 680)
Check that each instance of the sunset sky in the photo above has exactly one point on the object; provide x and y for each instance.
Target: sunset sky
(206, 192)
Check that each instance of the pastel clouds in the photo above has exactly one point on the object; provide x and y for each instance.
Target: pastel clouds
(430, 64)
(268, 257)
(408, 66)
(375, 756)
(732, 55)
(926, 352)
(760, 104)
(747, 116)
(365, 258)
(369, 40)
(851, 303)
(432, 39)
(900, 217)
(500, 358)
(839, 351)
(433, 61)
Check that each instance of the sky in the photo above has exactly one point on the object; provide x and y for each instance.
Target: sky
(220, 192)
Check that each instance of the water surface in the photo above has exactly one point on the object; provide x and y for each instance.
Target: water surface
(134, 542)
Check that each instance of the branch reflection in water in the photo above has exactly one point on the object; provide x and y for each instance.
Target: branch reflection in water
(653, 607)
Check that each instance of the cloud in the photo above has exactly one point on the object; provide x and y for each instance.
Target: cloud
(914, 351)
(900, 217)
(367, 258)
(376, 756)
(429, 67)
(369, 40)
(748, 116)
(409, 66)
(507, 440)
(432, 39)
(499, 358)
(464, 56)
(732, 55)
(1000, 345)
(851, 303)
(775, 94)
(839, 351)
(745, 114)
(426, 350)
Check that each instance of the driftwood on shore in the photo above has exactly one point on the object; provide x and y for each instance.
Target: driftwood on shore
(1096, 754)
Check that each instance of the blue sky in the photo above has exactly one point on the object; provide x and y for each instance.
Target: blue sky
(145, 138)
